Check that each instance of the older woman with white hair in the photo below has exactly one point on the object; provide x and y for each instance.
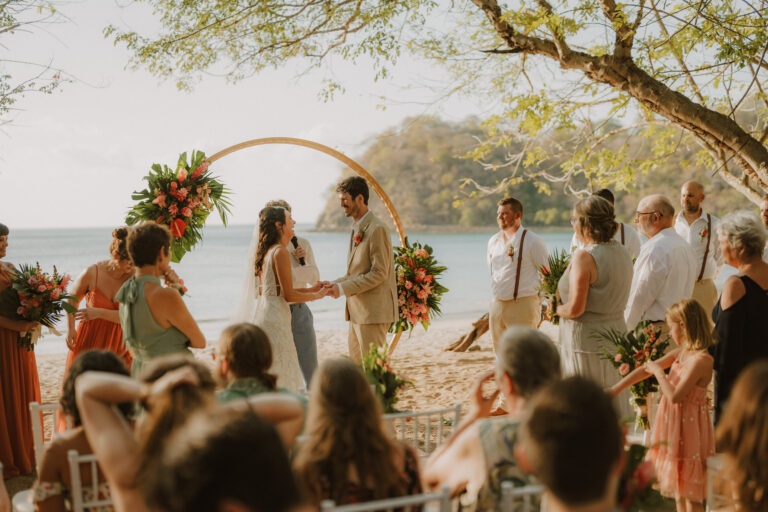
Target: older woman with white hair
(741, 314)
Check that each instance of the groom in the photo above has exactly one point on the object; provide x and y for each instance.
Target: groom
(369, 284)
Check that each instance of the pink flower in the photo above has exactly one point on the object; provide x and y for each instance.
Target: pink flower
(32, 282)
(22, 311)
(55, 294)
(173, 209)
(65, 281)
(617, 358)
(421, 294)
(41, 288)
(408, 285)
(200, 170)
(624, 369)
(401, 301)
(160, 200)
(421, 253)
(182, 175)
(186, 212)
(183, 191)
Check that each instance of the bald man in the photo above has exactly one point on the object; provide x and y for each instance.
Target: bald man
(664, 272)
(699, 229)
(764, 216)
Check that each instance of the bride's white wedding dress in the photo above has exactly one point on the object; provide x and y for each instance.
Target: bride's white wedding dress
(273, 314)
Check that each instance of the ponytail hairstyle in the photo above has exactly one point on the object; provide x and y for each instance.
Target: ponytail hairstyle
(118, 247)
(171, 410)
(268, 233)
(248, 352)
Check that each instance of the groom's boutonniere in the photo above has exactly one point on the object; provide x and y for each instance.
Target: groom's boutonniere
(703, 233)
(511, 251)
(358, 238)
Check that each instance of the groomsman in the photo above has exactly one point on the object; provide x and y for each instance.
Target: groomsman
(302, 321)
(625, 235)
(515, 255)
(764, 216)
(699, 229)
(664, 272)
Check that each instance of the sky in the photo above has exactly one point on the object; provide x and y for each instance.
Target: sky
(72, 158)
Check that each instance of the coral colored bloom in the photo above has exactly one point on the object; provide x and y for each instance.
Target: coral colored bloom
(41, 288)
(65, 281)
(173, 209)
(178, 226)
(421, 294)
(200, 170)
(358, 238)
(624, 369)
(160, 200)
(55, 294)
(182, 175)
(22, 311)
(186, 212)
(408, 285)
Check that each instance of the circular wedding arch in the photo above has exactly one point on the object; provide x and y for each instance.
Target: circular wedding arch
(331, 152)
(341, 157)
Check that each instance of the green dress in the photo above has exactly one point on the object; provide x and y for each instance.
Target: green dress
(143, 335)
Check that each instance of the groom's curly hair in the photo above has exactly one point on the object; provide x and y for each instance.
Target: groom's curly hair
(268, 233)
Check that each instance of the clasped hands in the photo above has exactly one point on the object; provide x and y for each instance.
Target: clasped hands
(329, 288)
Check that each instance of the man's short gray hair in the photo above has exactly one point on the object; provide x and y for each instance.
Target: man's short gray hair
(529, 358)
(744, 232)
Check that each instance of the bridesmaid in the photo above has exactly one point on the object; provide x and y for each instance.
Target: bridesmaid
(99, 326)
(154, 319)
(18, 386)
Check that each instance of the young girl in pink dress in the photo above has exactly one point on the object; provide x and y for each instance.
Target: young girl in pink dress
(682, 436)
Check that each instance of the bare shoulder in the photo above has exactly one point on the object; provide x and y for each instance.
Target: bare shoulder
(733, 291)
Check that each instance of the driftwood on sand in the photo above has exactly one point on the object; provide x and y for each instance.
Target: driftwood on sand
(479, 327)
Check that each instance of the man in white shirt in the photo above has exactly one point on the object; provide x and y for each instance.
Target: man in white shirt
(699, 229)
(515, 256)
(764, 216)
(626, 235)
(302, 322)
(665, 269)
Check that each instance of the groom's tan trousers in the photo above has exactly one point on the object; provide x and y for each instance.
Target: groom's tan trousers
(362, 335)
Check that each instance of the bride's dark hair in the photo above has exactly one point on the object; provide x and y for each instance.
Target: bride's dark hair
(268, 233)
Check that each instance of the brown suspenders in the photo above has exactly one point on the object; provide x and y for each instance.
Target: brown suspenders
(519, 261)
(621, 224)
(706, 251)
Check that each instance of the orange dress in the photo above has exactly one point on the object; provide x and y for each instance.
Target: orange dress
(682, 439)
(18, 387)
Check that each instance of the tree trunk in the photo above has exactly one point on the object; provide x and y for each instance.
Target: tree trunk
(479, 327)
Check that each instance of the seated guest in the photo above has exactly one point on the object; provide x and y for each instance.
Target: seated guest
(740, 312)
(480, 455)
(571, 440)
(742, 437)
(244, 357)
(231, 461)
(348, 456)
(172, 389)
(154, 319)
(52, 489)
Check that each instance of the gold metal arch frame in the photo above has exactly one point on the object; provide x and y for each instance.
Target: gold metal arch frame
(343, 159)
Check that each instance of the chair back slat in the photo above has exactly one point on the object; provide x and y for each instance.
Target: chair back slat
(442, 501)
(44, 427)
(519, 499)
(423, 430)
(79, 503)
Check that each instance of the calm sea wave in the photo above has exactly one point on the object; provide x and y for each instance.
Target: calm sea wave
(213, 272)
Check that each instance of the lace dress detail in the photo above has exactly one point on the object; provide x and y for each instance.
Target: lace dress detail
(274, 316)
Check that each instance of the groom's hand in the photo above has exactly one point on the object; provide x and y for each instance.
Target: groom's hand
(333, 291)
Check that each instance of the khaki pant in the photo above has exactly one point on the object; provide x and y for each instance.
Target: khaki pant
(705, 293)
(524, 311)
(362, 335)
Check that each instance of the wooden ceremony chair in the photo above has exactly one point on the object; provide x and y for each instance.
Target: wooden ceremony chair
(79, 503)
(44, 427)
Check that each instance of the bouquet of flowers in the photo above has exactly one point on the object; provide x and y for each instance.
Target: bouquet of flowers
(636, 493)
(181, 199)
(418, 290)
(550, 275)
(382, 377)
(35, 296)
(631, 350)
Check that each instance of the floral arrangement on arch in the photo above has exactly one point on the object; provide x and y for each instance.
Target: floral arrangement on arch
(380, 375)
(418, 289)
(35, 296)
(631, 350)
(182, 199)
(550, 275)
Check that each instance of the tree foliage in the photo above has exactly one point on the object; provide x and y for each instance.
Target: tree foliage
(676, 72)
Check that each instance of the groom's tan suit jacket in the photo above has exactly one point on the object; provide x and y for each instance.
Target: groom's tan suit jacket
(369, 285)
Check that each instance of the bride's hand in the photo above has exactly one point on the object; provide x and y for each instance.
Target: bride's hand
(313, 289)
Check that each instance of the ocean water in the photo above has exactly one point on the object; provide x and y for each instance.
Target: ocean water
(213, 272)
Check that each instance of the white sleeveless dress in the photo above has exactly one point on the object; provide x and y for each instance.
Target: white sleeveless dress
(274, 316)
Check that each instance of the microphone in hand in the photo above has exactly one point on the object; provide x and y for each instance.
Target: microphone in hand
(295, 243)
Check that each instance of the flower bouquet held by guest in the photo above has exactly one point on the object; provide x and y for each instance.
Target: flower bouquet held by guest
(155, 321)
(348, 457)
(54, 483)
(740, 313)
(682, 437)
(550, 276)
(18, 385)
(99, 326)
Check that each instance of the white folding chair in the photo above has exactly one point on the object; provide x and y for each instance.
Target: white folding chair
(431, 502)
(520, 499)
(79, 503)
(424, 430)
(44, 427)
(22, 501)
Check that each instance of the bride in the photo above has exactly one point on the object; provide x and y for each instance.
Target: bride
(270, 277)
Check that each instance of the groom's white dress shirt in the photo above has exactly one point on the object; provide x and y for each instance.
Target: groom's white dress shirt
(504, 268)
(664, 273)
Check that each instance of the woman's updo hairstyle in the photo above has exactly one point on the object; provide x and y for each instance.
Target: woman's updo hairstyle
(596, 218)
(118, 247)
(145, 242)
(268, 233)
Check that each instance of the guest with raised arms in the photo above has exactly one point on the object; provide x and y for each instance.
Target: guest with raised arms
(698, 228)
(348, 456)
(305, 275)
(480, 454)
(515, 255)
(665, 271)
(99, 326)
(154, 319)
(740, 313)
(594, 291)
(19, 385)
(53, 488)
(625, 234)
